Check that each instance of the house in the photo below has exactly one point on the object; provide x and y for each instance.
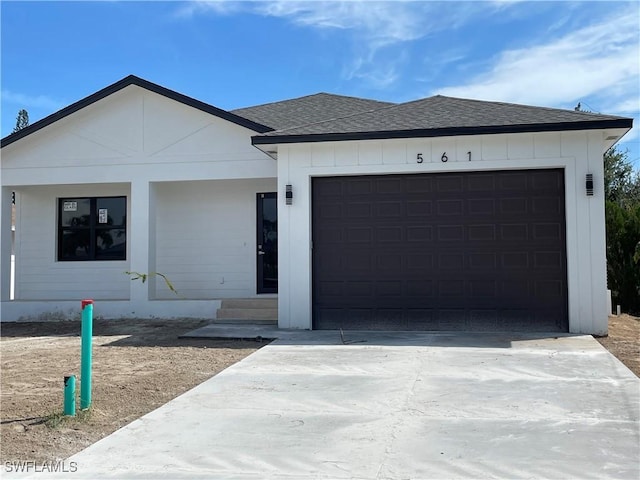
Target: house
(437, 214)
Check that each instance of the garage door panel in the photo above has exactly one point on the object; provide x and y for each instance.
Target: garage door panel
(360, 186)
(514, 206)
(451, 261)
(389, 209)
(546, 205)
(420, 289)
(515, 260)
(389, 234)
(422, 320)
(452, 319)
(482, 262)
(513, 181)
(450, 233)
(419, 263)
(548, 260)
(390, 184)
(450, 207)
(419, 233)
(481, 233)
(359, 235)
(449, 183)
(483, 288)
(516, 232)
(329, 210)
(481, 182)
(419, 208)
(474, 251)
(357, 263)
(451, 288)
(331, 289)
(548, 289)
(483, 320)
(481, 206)
(358, 210)
(419, 184)
(552, 180)
(547, 231)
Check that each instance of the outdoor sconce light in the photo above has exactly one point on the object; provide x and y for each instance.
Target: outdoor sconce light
(288, 195)
(589, 184)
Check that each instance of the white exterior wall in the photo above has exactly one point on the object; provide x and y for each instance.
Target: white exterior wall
(133, 142)
(206, 237)
(577, 153)
(39, 274)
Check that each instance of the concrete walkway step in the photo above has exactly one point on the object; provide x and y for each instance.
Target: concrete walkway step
(248, 309)
(271, 303)
(244, 321)
(248, 313)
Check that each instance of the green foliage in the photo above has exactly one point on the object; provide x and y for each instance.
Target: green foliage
(54, 420)
(58, 419)
(145, 276)
(22, 120)
(622, 210)
(621, 183)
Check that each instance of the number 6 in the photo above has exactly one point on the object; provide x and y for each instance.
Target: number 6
(444, 157)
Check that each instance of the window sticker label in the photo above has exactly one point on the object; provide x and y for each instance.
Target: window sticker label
(70, 206)
(102, 215)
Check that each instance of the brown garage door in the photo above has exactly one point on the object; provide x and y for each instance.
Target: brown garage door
(446, 251)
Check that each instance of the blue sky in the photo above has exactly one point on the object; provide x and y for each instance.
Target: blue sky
(236, 54)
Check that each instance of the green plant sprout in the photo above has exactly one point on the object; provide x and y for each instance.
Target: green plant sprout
(145, 276)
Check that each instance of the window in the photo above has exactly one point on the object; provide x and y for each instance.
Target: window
(92, 228)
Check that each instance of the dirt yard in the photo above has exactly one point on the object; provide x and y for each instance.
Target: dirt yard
(624, 341)
(138, 366)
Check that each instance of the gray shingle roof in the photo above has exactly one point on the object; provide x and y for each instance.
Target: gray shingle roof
(325, 117)
(298, 112)
(440, 115)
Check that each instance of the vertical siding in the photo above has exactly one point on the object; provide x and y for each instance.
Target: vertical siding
(39, 275)
(576, 152)
(206, 237)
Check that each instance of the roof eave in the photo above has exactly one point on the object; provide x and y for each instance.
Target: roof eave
(443, 132)
(119, 85)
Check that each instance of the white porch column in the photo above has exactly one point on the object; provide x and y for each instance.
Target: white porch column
(5, 243)
(142, 240)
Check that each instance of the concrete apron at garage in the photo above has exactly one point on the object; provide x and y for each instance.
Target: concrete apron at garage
(392, 406)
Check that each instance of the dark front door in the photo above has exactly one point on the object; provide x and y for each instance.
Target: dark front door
(267, 243)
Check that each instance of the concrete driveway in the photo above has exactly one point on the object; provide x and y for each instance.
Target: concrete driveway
(392, 406)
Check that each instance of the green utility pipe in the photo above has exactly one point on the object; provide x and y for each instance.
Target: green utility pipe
(85, 354)
(70, 395)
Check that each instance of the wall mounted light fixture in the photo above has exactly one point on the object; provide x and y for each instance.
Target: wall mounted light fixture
(589, 184)
(288, 195)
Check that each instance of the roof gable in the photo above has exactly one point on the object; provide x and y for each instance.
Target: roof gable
(135, 127)
(119, 85)
(443, 116)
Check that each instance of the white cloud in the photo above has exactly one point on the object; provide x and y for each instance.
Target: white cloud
(220, 7)
(603, 58)
(373, 29)
(629, 105)
(25, 101)
(382, 22)
(376, 32)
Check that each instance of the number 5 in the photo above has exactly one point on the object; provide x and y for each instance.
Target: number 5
(419, 158)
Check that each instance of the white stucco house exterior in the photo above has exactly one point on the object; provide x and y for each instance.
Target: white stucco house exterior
(437, 214)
